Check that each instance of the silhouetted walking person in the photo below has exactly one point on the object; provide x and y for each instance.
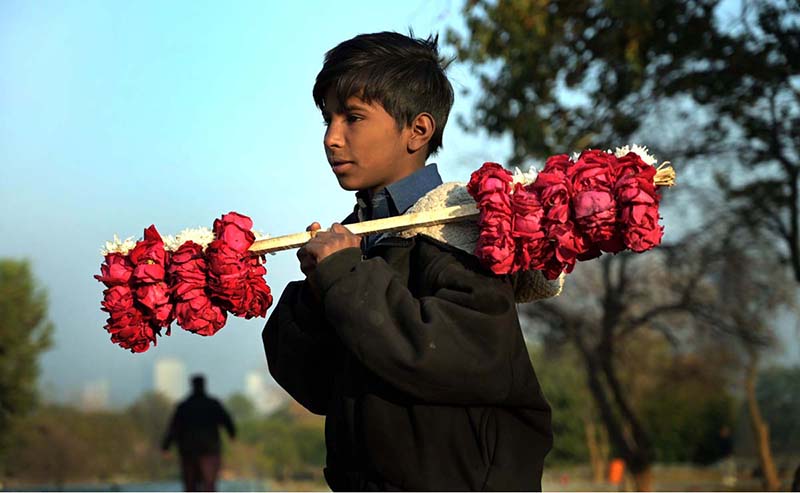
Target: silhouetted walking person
(195, 427)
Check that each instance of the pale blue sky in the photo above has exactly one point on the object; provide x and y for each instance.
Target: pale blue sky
(116, 115)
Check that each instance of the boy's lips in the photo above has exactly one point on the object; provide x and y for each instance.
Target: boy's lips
(340, 166)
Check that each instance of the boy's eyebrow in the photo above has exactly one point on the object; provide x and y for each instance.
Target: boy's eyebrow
(355, 106)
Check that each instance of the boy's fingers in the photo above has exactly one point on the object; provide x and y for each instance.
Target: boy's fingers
(313, 227)
(338, 228)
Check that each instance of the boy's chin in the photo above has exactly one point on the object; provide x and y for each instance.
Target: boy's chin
(351, 184)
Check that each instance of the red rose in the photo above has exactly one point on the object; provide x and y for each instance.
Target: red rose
(638, 203)
(593, 203)
(149, 257)
(490, 186)
(594, 170)
(596, 214)
(125, 323)
(197, 314)
(490, 178)
(258, 297)
(631, 164)
(235, 230)
(155, 297)
(527, 212)
(132, 332)
(117, 299)
(495, 247)
(149, 278)
(116, 270)
(568, 243)
(559, 162)
(555, 192)
(227, 274)
(641, 230)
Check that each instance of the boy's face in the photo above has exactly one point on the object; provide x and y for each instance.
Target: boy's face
(364, 145)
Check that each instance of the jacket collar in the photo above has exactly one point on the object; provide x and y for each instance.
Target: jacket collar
(399, 196)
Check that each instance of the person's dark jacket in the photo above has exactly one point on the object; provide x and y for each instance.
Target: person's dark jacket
(416, 357)
(195, 426)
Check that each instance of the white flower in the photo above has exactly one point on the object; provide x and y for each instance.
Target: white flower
(118, 246)
(202, 236)
(641, 151)
(526, 177)
(575, 157)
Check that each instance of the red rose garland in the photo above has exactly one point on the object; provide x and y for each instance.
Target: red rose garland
(149, 278)
(137, 298)
(149, 286)
(490, 186)
(573, 211)
(236, 279)
(125, 323)
(194, 310)
(638, 202)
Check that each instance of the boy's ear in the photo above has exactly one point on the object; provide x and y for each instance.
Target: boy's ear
(422, 128)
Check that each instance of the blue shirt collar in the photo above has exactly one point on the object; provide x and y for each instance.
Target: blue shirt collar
(399, 196)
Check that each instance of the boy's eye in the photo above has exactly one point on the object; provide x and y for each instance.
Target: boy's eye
(353, 118)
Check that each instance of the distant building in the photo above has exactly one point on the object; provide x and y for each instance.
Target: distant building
(170, 377)
(266, 398)
(95, 395)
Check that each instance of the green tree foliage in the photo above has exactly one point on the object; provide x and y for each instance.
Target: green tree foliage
(150, 416)
(779, 398)
(59, 444)
(24, 334)
(241, 408)
(691, 78)
(689, 413)
(564, 385)
(562, 76)
(745, 74)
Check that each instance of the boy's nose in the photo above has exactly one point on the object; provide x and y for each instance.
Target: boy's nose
(333, 136)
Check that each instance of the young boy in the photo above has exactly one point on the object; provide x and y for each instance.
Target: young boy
(410, 348)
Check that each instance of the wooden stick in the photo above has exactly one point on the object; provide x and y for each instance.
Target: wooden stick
(397, 223)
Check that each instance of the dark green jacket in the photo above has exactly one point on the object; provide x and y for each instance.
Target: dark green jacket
(416, 357)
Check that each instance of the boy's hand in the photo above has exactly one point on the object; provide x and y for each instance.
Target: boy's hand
(324, 244)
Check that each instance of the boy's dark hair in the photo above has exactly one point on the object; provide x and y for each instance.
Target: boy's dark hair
(404, 74)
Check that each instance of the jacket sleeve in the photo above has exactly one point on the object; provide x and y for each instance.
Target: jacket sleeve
(457, 345)
(301, 348)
